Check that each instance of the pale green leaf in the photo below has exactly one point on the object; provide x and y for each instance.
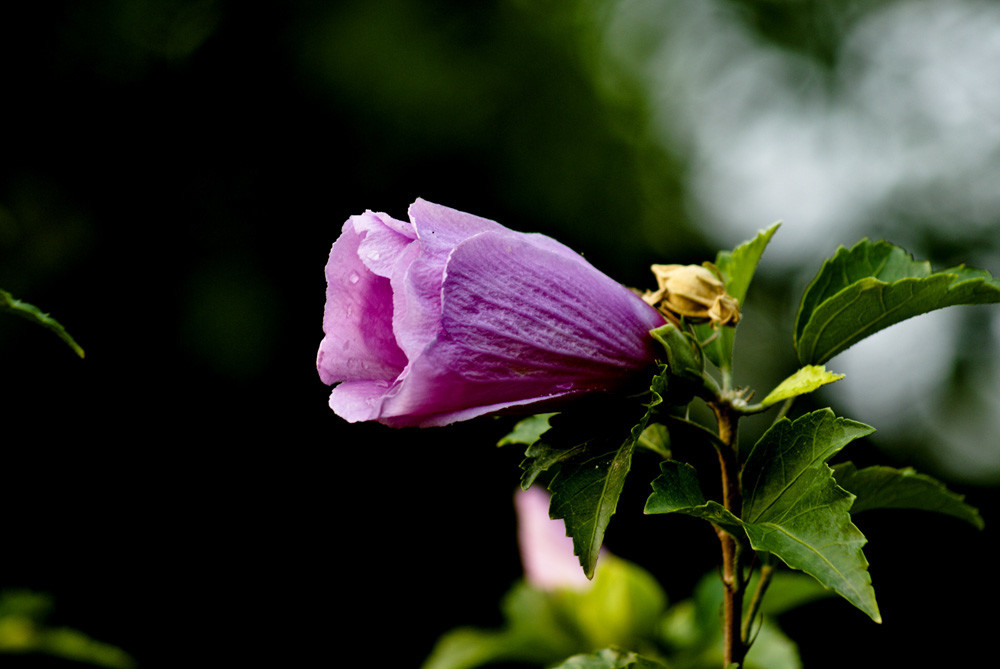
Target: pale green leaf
(534, 632)
(871, 286)
(693, 628)
(888, 488)
(527, 431)
(610, 658)
(805, 380)
(656, 438)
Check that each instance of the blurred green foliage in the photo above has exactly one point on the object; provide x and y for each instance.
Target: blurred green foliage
(23, 630)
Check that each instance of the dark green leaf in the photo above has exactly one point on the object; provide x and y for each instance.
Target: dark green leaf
(570, 435)
(676, 490)
(587, 485)
(585, 495)
(36, 315)
(685, 376)
(871, 286)
(737, 268)
(888, 488)
(794, 509)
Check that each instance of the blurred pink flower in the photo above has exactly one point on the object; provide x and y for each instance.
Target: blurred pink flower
(546, 551)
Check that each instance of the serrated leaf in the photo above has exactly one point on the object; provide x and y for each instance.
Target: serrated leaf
(676, 490)
(610, 658)
(794, 509)
(29, 311)
(873, 285)
(888, 488)
(570, 435)
(737, 268)
(527, 431)
(585, 495)
(805, 380)
(585, 489)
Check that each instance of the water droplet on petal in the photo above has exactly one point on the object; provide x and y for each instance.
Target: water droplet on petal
(354, 277)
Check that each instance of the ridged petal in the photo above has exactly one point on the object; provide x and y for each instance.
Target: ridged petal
(523, 322)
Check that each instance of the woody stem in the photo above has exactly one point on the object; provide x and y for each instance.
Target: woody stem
(734, 646)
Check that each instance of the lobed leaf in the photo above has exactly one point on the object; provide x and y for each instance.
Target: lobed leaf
(677, 490)
(888, 488)
(590, 479)
(794, 509)
(871, 286)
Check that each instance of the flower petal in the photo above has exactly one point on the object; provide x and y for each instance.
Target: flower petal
(358, 400)
(383, 241)
(359, 343)
(417, 285)
(523, 322)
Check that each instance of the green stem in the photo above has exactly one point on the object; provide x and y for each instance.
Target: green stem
(766, 571)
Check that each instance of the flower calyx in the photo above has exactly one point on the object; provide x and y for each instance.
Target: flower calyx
(695, 293)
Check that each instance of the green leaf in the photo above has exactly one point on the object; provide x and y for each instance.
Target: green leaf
(36, 315)
(610, 658)
(888, 488)
(527, 431)
(737, 268)
(806, 380)
(571, 435)
(693, 631)
(792, 506)
(586, 488)
(534, 632)
(794, 509)
(585, 495)
(656, 438)
(23, 629)
(685, 376)
(871, 286)
(676, 490)
(622, 607)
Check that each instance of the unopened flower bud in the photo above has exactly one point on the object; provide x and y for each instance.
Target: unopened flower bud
(693, 292)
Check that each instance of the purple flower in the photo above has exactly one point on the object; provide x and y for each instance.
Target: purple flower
(452, 316)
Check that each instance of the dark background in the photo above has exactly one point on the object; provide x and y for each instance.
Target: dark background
(172, 175)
